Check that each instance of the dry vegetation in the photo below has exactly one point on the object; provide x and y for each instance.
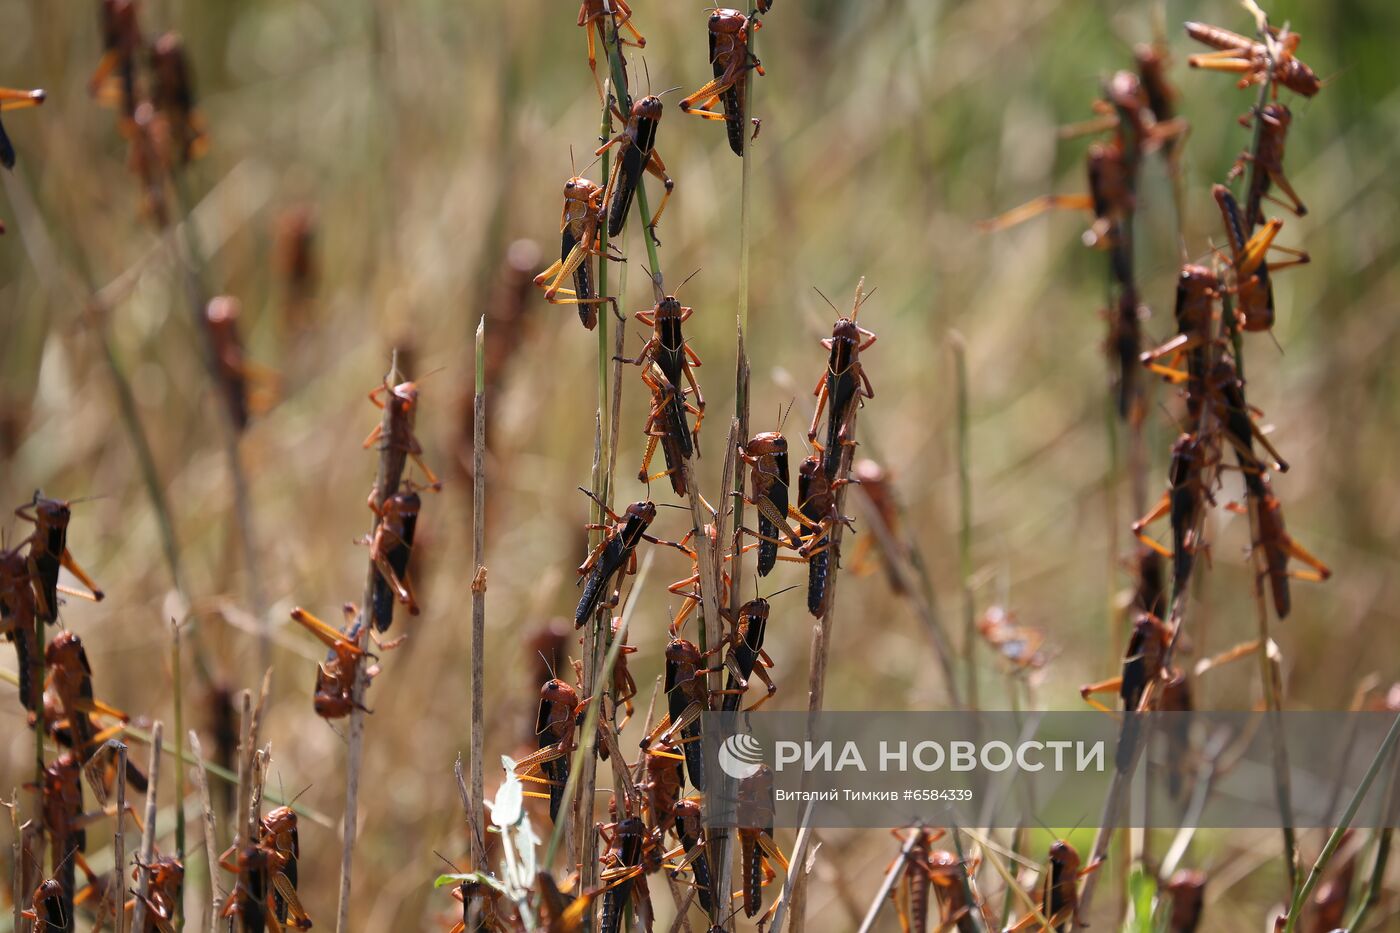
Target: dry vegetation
(195, 300)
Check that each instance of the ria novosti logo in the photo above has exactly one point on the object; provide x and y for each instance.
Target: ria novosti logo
(740, 756)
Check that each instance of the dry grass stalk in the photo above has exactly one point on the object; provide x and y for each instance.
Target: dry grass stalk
(148, 837)
(211, 843)
(478, 841)
(882, 894)
(245, 758)
(16, 860)
(119, 835)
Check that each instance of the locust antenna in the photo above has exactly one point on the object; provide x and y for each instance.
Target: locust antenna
(692, 275)
(826, 299)
(549, 665)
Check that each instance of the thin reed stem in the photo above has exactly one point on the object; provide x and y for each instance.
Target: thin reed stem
(391, 464)
(478, 738)
(245, 726)
(148, 836)
(211, 844)
(36, 698)
(17, 861)
(890, 880)
(119, 834)
(969, 635)
(177, 683)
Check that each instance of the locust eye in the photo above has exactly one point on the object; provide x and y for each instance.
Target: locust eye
(569, 186)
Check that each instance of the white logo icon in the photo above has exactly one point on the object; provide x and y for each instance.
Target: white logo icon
(740, 756)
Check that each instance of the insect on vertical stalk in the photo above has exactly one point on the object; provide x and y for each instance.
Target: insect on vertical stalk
(596, 639)
(589, 733)
(840, 450)
(478, 842)
(391, 465)
(722, 863)
(1268, 670)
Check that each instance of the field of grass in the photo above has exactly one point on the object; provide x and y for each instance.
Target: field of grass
(430, 142)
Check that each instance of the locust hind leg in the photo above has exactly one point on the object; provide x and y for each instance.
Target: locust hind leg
(1036, 207)
(1281, 181)
(657, 168)
(1112, 685)
(708, 93)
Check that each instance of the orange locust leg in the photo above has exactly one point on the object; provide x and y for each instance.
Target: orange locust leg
(1036, 207)
(1112, 685)
(11, 99)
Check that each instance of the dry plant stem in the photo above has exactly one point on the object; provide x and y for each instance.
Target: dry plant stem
(458, 772)
(245, 724)
(118, 836)
(887, 885)
(1300, 897)
(795, 861)
(16, 860)
(959, 350)
(148, 836)
(211, 845)
(391, 465)
(257, 759)
(177, 681)
(478, 842)
(36, 687)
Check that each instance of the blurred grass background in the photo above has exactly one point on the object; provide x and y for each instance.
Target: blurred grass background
(428, 136)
